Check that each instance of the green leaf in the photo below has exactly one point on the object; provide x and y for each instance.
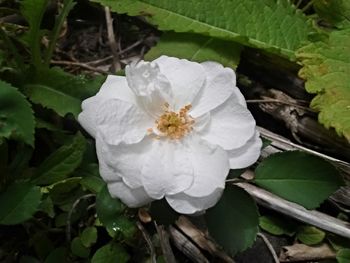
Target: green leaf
(108, 209)
(268, 24)
(121, 228)
(58, 255)
(110, 253)
(60, 164)
(33, 12)
(89, 236)
(310, 235)
(343, 256)
(65, 191)
(233, 222)
(60, 91)
(18, 203)
(78, 249)
(47, 207)
(276, 225)
(298, 177)
(326, 69)
(16, 115)
(335, 12)
(197, 48)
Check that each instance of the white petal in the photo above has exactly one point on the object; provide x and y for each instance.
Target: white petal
(186, 78)
(213, 68)
(113, 87)
(231, 126)
(126, 160)
(211, 167)
(247, 154)
(150, 86)
(168, 169)
(221, 82)
(119, 121)
(185, 204)
(129, 196)
(201, 122)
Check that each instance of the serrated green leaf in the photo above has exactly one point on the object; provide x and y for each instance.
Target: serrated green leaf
(110, 253)
(335, 12)
(326, 69)
(233, 221)
(310, 235)
(276, 226)
(60, 91)
(197, 48)
(343, 256)
(60, 164)
(298, 177)
(18, 203)
(108, 209)
(78, 249)
(16, 115)
(89, 236)
(268, 24)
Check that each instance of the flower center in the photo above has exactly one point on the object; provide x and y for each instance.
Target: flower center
(175, 125)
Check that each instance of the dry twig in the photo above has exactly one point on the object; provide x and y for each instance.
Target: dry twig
(111, 39)
(269, 246)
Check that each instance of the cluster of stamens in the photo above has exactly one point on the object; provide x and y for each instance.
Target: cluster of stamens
(175, 125)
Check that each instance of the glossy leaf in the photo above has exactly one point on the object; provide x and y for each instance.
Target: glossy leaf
(274, 25)
(16, 115)
(310, 235)
(298, 177)
(18, 203)
(110, 253)
(197, 48)
(233, 221)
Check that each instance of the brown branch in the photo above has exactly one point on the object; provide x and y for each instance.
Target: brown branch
(111, 39)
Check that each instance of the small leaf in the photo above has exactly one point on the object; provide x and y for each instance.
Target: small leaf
(16, 115)
(108, 209)
(298, 177)
(162, 213)
(110, 253)
(18, 203)
(276, 226)
(60, 164)
(343, 256)
(310, 235)
(58, 255)
(233, 222)
(78, 249)
(47, 207)
(197, 48)
(89, 236)
(121, 228)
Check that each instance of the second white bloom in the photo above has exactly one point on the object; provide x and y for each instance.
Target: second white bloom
(171, 128)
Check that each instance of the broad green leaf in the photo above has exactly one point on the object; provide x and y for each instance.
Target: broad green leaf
(108, 209)
(58, 255)
(298, 177)
(326, 69)
(110, 253)
(89, 236)
(18, 203)
(233, 221)
(65, 192)
(16, 115)
(276, 226)
(121, 228)
(275, 25)
(310, 235)
(60, 91)
(60, 164)
(335, 12)
(78, 249)
(343, 255)
(197, 48)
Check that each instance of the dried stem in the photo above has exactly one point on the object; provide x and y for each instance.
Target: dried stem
(269, 246)
(111, 39)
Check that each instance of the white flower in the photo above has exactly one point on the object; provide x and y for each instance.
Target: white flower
(171, 128)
